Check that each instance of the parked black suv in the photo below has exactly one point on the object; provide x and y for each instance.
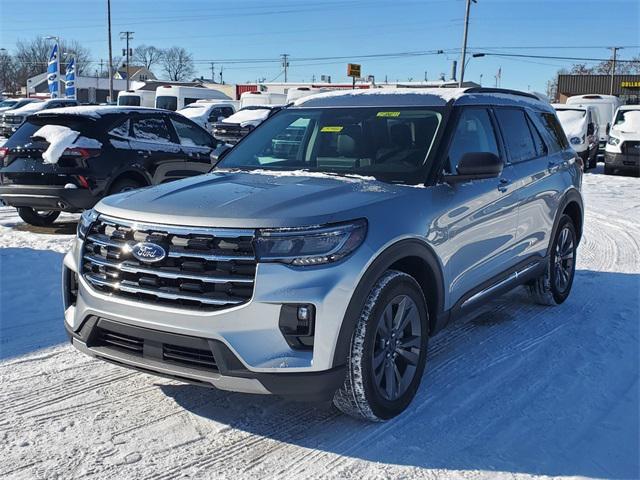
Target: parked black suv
(116, 149)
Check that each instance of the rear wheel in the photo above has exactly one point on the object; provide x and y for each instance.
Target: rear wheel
(553, 287)
(388, 350)
(124, 185)
(39, 218)
(593, 163)
(608, 170)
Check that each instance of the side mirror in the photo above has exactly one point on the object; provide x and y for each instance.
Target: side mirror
(219, 153)
(477, 165)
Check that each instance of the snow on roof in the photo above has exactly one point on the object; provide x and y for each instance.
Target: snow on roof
(382, 97)
(28, 108)
(250, 116)
(96, 111)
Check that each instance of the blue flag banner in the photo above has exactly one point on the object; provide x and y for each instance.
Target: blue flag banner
(52, 72)
(70, 79)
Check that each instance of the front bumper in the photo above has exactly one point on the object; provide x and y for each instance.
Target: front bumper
(47, 197)
(247, 336)
(622, 161)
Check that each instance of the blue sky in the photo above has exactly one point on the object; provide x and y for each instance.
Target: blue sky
(262, 30)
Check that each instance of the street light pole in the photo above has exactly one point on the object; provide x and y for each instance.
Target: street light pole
(613, 67)
(110, 52)
(464, 41)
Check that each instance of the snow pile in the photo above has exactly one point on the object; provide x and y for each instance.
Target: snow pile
(252, 116)
(574, 122)
(59, 137)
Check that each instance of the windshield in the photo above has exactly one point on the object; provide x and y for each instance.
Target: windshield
(167, 102)
(568, 116)
(8, 103)
(129, 100)
(628, 120)
(389, 144)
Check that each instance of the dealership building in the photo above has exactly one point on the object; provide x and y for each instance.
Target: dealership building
(627, 87)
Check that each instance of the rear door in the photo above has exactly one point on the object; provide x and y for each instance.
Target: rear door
(196, 146)
(537, 154)
(483, 214)
(156, 148)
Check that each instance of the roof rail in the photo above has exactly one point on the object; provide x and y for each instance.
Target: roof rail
(500, 90)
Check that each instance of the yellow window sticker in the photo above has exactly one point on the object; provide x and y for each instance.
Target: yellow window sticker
(331, 129)
(388, 114)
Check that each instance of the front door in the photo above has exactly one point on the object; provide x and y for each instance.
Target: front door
(481, 215)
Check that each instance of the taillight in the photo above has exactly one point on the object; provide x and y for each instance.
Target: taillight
(4, 151)
(79, 152)
(83, 181)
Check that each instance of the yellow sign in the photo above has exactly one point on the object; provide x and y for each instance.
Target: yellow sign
(635, 84)
(331, 129)
(353, 70)
(388, 114)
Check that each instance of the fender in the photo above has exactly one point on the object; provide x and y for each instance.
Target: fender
(572, 195)
(394, 253)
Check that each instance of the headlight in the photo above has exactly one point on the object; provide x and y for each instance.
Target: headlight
(613, 141)
(576, 140)
(86, 219)
(310, 245)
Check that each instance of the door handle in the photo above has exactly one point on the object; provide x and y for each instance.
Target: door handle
(504, 184)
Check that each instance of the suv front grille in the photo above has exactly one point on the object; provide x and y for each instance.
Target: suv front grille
(631, 147)
(204, 268)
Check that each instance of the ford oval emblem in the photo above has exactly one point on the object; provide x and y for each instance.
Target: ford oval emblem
(148, 252)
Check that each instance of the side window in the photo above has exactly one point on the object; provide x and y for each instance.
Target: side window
(541, 147)
(215, 114)
(121, 130)
(190, 135)
(151, 129)
(227, 111)
(554, 130)
(189, 101)
(517, 135)
(474, 133)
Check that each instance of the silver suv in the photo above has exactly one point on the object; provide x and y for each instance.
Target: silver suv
(318, 257)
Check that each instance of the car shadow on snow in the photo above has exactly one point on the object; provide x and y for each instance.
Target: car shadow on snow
(31, 312)
(516, 388)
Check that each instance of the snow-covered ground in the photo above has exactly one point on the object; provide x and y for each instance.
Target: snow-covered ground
(517, 390)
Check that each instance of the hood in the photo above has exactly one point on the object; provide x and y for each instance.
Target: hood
(254, 199)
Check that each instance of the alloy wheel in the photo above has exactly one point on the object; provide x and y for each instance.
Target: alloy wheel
(564, 261)
(396, 349)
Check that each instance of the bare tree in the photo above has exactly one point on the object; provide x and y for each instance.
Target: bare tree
(32, 56)
(7, 73)
(147, 56)
(177, 64)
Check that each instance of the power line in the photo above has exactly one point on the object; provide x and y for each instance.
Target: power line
(549, 57)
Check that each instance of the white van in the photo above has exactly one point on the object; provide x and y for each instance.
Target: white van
(606, 105)
(250, 99)
(174, 97)
(623, 147)
(581, 126)
(137, 98)
(207, 112)
(298, 92)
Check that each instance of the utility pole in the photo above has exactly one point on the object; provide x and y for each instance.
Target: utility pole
(221, 68)
(464, 41)
(110, 53)
(127, 36)
(213, 72)
(613, 66)
(285, 64)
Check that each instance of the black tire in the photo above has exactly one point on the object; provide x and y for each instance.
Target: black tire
(38, 218)
(553, 287)
(608, 170)
(124, 185)
(593, 163)
(401, 355)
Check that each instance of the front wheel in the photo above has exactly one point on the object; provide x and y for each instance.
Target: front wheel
(553, 287)
(388, 350)
(38, 218)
